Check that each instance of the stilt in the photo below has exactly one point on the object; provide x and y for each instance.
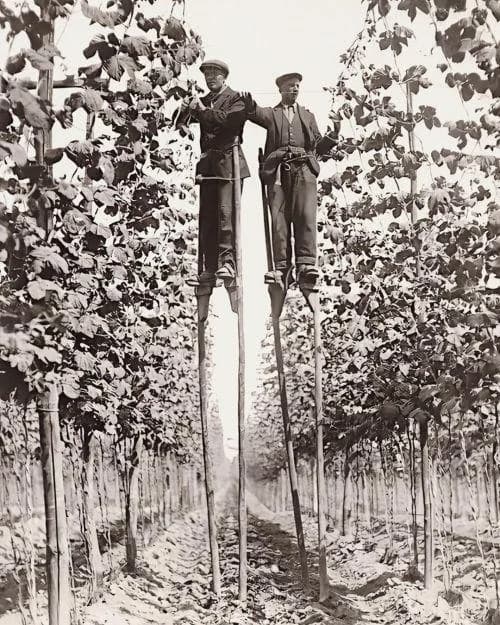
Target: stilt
(311, 293)
(235, 291)
(203, 294)
(277, 294)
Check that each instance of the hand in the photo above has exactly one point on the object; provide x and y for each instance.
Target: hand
(247, 99)
(196, 104)
(184, 105)
(332, 134)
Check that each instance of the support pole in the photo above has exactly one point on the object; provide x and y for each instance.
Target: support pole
(57, 563)
(242, 506)
(423, 425)
(203, 297)
(311, 293)
(58, 580)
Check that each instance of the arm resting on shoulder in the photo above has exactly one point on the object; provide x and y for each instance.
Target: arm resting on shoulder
(254, 112)
(259, 115)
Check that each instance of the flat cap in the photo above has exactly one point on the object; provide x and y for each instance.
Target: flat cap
(294, 75)
(215, 63)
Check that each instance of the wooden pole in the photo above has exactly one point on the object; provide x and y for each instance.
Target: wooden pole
(267, 229)
(242, 506)
(89, 520)
(413, 491)
(132, 502)
(57, 564)
(209, 482)
(423, 426)
(426, 496)
(70, 82)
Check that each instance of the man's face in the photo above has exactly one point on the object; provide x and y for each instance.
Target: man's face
(290, 90)
(214, 78)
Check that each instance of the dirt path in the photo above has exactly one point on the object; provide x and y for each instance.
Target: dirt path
(172, 583)
(171, 586)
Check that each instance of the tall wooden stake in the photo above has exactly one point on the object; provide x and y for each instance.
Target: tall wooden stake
(426, 495)
(242, 505)
(423, 426)
(132, 501)
(43, 138)
(58, 577)
(413, 492)
(203, 297)
(57, 564)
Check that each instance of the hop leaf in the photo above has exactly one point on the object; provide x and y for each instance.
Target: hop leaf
(104, 18)
(438, 197)
(30, 108)
(39, 61)
(107, 169)
(174, 29)
(136, 46)
(188, 54)
(53, 155)
(84, 361)
(17, 153)
(36, 290)
(49, 354)
(15, 63)
(70, 387)
(113, 68)
(80, 152)
(113, 294)
(93, 101)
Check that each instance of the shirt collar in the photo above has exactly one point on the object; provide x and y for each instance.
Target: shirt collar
(216, 95)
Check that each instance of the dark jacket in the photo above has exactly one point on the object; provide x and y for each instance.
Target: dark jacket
(271, 118)
(221, 124)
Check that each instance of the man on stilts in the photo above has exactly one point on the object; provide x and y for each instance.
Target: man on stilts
(289, 171)
(221, 115)
(220, 172)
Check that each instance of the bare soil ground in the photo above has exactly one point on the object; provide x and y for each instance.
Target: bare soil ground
(172, 583)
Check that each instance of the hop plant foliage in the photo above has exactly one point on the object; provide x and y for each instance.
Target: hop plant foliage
(409, 242)
(97, 237)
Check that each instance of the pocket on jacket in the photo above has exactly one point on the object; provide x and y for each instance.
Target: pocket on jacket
(313, 166)
(203, 166)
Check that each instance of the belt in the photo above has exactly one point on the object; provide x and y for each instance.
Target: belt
(284, 167)
(221, 150)
(294, 151)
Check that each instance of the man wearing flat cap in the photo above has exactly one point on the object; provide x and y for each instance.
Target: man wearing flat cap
(290, 170)
(221, 115)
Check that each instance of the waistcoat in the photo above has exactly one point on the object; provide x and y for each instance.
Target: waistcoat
(292, 134)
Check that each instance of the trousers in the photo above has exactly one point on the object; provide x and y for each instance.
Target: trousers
(293, 205)
(216, 224)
